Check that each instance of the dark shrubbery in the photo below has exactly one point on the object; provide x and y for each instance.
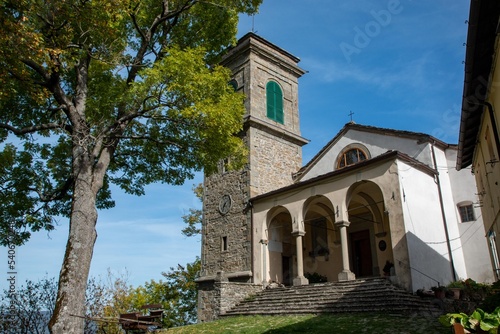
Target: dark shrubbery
(315, 278)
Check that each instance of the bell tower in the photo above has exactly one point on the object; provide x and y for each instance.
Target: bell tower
(268, 77)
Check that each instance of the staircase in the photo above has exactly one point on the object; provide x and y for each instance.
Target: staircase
(362, 295)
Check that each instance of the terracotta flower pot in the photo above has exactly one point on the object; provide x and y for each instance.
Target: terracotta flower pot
(456, 292)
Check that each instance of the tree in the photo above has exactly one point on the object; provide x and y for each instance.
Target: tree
(177, 295)
(183, 300)
(194, 217)
(28, 310)
(107, 91)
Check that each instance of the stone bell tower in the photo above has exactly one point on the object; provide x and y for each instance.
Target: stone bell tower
(268, 76)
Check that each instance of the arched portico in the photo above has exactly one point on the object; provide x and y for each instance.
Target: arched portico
(368, 233)
(330, 240)
(322, 248)
(281, 250)
(283, 254)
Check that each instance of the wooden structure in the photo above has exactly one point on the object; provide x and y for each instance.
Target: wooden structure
(137, 322)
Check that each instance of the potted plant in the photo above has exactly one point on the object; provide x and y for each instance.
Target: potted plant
(456, 287)
(439, 291)
(478, 322)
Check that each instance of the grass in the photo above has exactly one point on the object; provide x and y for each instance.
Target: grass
(317, 324)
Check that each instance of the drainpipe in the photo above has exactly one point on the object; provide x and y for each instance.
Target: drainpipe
(443, 214)
(249, 207)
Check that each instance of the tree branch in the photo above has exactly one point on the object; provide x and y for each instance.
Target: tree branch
(57, 194)
(151, 139)
(33, 129)
(37, 68)
(146, 37)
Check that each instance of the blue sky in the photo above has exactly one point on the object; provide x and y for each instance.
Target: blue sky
(394, 64)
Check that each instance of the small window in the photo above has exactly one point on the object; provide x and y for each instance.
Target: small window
(274, 102)
(224, 244)
(350, 157)
(466, 212)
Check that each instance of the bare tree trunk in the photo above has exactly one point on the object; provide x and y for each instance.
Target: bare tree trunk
(70, 304)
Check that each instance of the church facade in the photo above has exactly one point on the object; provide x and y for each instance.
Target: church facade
(372, 202)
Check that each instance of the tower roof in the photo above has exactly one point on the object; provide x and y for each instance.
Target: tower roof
(252, 42)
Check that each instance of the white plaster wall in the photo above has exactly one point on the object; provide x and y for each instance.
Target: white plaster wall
(451, 213)
(472, 234)
(376, 144)
(428, 253)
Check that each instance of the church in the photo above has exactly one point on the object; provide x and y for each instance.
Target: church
(372, 202)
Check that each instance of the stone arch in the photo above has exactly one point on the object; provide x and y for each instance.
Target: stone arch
(280, 246)
(369, 232)
(322, 253)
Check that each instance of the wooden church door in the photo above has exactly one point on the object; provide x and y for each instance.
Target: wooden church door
(361, 253)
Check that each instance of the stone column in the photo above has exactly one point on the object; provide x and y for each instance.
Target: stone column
(265, 252)
(345, 274)
(300, 279)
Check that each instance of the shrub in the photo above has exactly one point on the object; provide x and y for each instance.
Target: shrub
(316, 278)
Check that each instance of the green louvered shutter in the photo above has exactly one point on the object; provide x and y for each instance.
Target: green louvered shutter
(274, 102)
(279, 105)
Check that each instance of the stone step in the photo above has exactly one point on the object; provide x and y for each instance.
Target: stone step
(367, 295)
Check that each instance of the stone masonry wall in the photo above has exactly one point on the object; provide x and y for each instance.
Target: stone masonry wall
(232, 293)
(272, 162)
(217, 297)
(233, 226)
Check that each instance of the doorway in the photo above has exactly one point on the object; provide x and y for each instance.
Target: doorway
(287, 270)
(361, 253)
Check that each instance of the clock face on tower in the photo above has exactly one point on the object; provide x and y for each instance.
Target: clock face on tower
(225, 204)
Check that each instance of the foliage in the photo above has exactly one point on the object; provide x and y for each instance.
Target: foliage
(177, 295)
(456, 284)
(28, 310)
(315, 277)
(113, 78)
(328, 323)
(182, 305)
(474, 291)
(438, 288)
(492, 300)
(194, 217)
(479, 319)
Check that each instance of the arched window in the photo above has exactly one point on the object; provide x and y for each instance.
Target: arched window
(351, 156)
(233, 83)
(274, 102)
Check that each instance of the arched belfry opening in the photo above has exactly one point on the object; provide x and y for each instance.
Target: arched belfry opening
(368, 233)
(281, 247)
